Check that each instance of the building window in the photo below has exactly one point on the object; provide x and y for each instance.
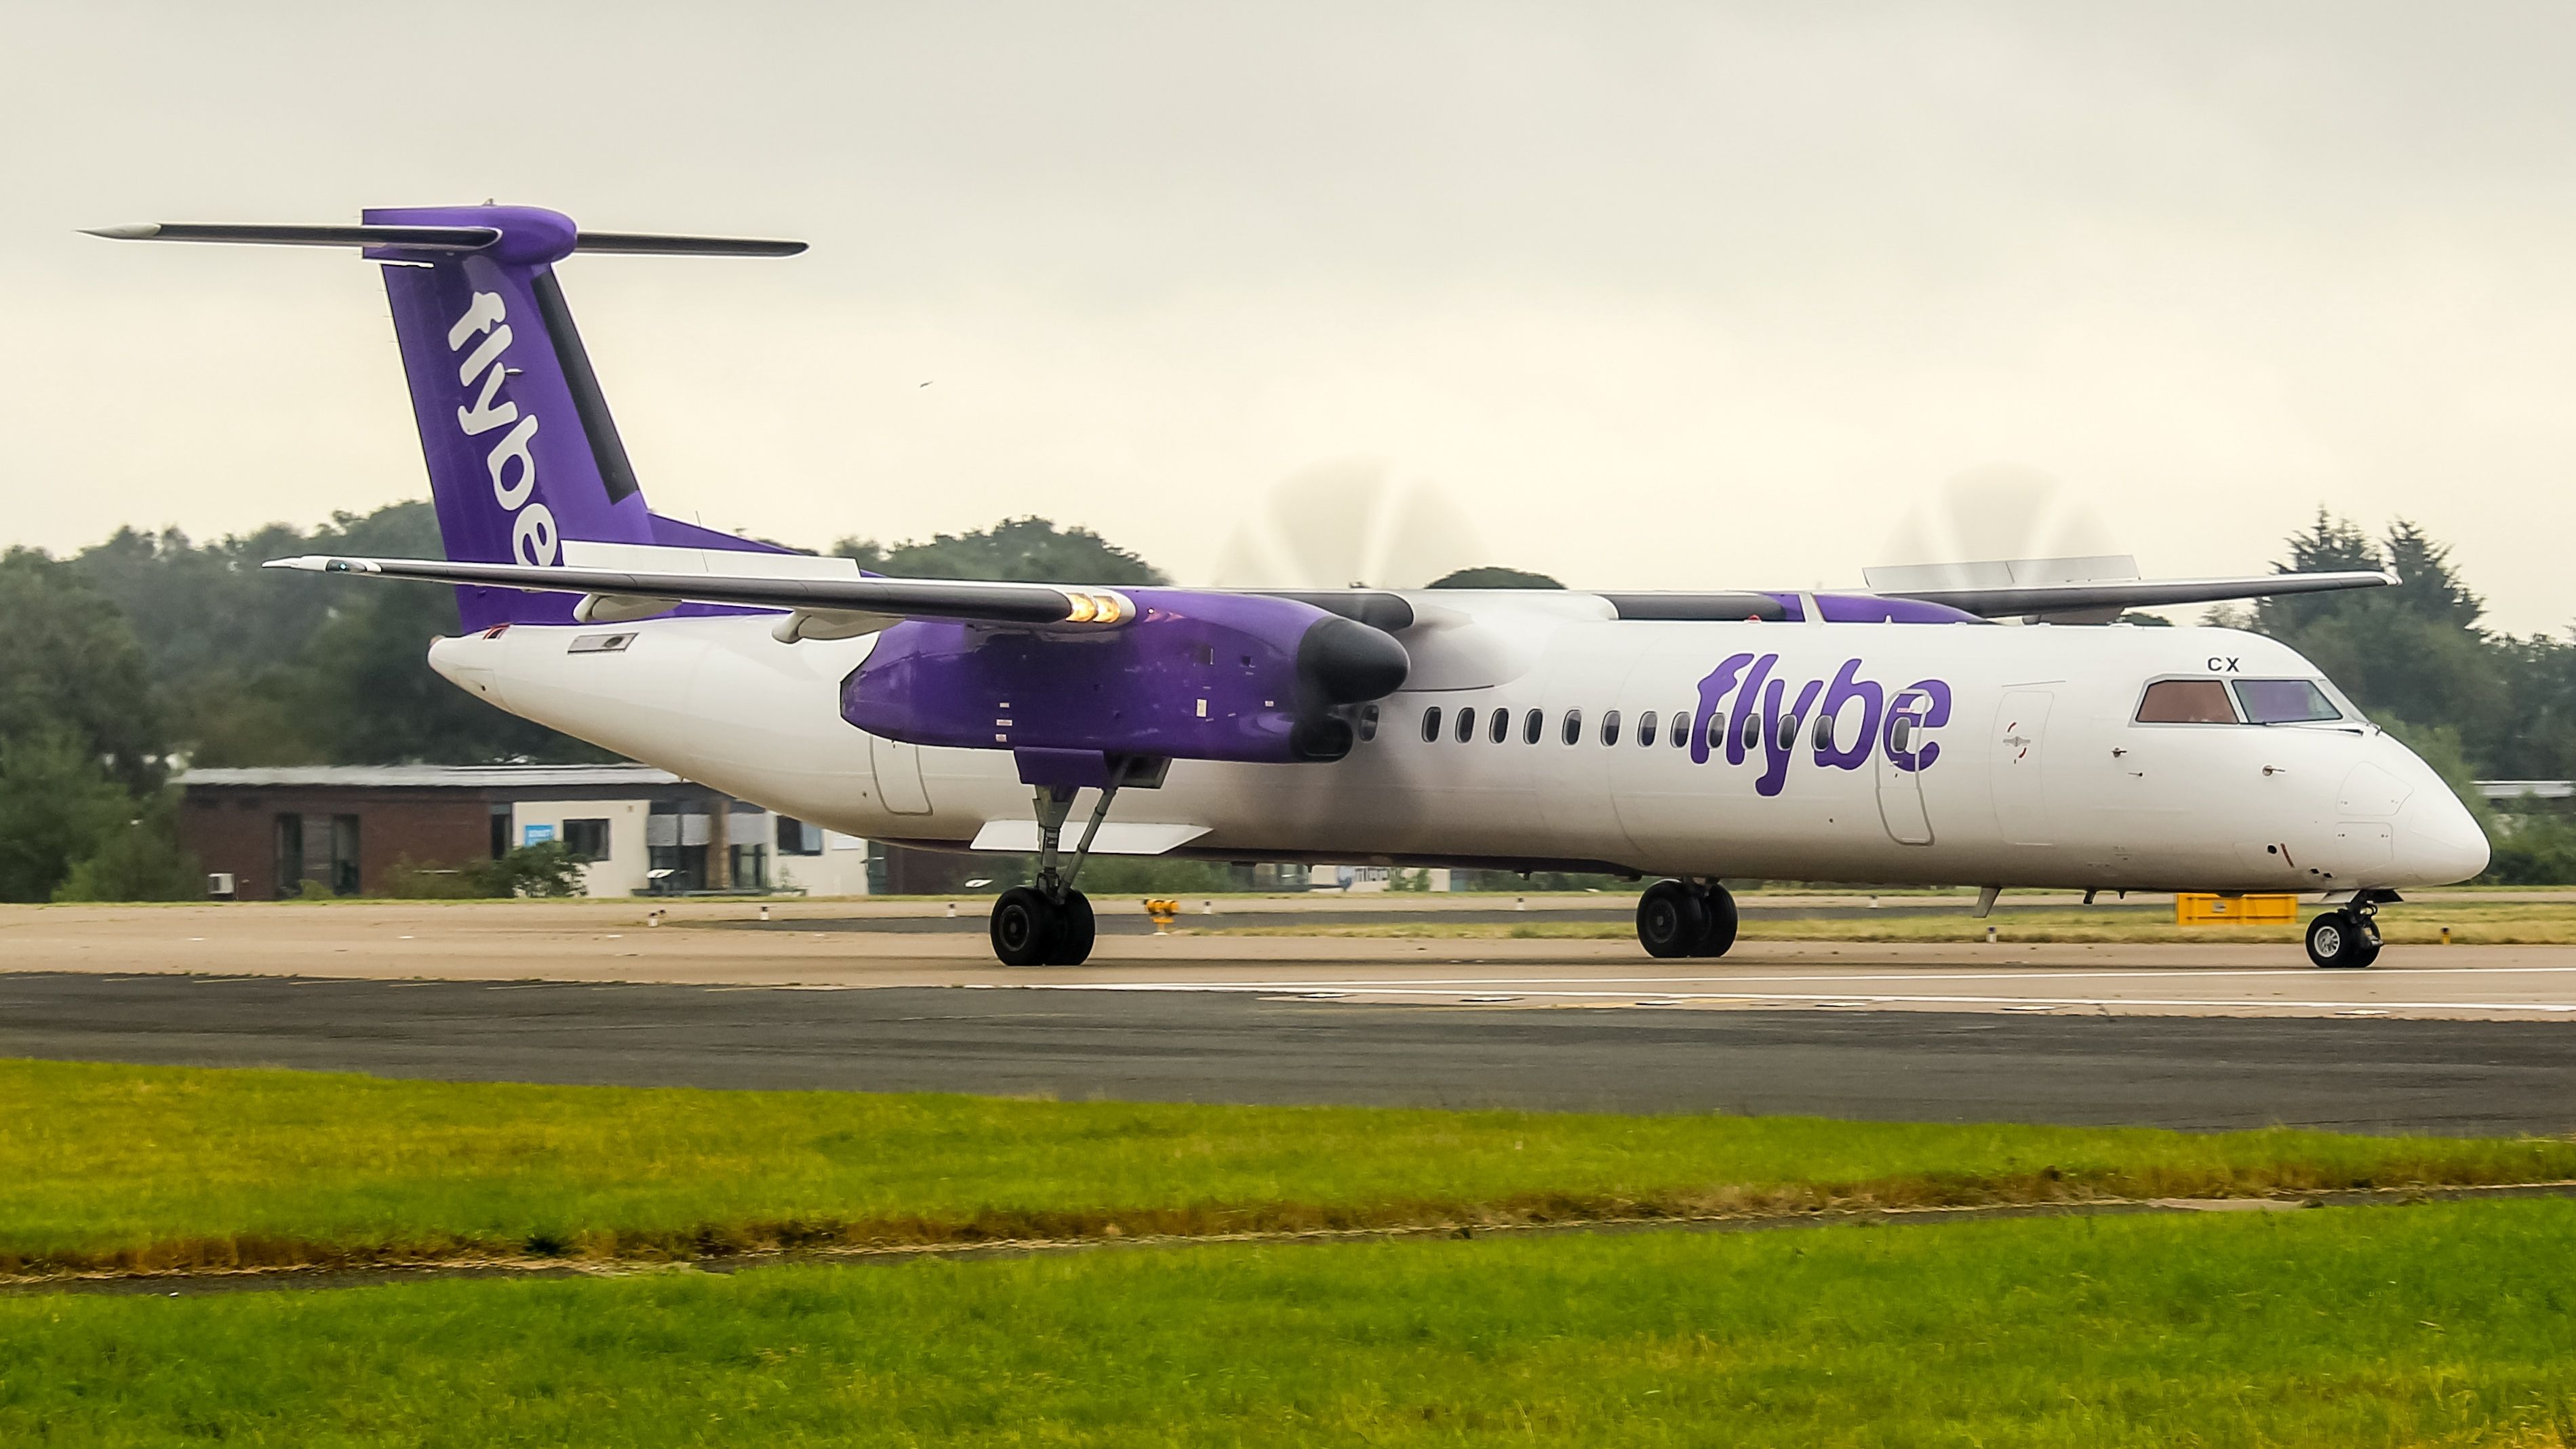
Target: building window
(1646, 729)
(586, 839)
(1431, 723)
(1573, 726)
(750, 866)
(288, 861)
(344, 855)
(799, 837)
(1610, 727)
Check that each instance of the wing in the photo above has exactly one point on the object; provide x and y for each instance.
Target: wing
(835, 605)
(2109, 596)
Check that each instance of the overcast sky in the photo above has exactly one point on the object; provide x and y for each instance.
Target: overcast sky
(1655, 296)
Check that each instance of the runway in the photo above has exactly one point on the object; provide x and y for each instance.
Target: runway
(2201, 1072)
(2234, 1033)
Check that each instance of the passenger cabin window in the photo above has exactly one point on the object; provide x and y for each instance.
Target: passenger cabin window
(1824, 732)
(1681, 729)
(1502, 726)
(1646, 729)
(1785, 736)
(1466, 725)
(1610, 727)
(1574, 726)
(1431, 723)
(1533, 725)
(2186, 701)
(1716, 731)
(2284, 701)
(1368, 723)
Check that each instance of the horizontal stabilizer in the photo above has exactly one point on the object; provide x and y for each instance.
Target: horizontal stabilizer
(442, 238)
(1046, 606)
(415, 238)
(2113, 595)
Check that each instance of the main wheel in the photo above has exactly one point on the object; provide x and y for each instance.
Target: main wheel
(2339, 940)
(1719, 936)
(1073, 931)
(1026, 927)
(1671, 919)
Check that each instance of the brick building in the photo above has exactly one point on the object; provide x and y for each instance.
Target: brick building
(345, 828)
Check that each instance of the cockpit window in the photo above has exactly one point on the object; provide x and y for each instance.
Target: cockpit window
(2186, 701)
(2285, 701)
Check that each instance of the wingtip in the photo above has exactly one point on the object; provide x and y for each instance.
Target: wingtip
(136, 231)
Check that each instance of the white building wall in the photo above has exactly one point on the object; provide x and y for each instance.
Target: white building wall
(839, 869)
(622, 873)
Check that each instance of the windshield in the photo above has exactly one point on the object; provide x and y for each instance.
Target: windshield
(2285, 701)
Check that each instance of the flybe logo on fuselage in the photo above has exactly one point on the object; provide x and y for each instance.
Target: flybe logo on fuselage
(1843, 721)
(533, 536)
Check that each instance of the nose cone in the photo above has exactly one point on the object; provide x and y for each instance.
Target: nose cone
(2438, 840)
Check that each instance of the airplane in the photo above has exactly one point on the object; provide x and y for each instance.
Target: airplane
(1909, 734)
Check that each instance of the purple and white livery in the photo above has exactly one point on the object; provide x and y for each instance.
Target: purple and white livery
(1890, 735)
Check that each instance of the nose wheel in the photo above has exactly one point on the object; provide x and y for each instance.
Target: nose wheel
(2343, 940)
(1677, 918)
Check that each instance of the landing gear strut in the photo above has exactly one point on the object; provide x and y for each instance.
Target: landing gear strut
(2347, 938)
(1049, 923)
(1686, 918)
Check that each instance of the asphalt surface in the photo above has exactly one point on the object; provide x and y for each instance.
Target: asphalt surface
(2201, 1072)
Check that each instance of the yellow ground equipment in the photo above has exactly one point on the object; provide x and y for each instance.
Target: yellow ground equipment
(2207, 910)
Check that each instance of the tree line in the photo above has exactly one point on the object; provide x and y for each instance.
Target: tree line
(150, 652)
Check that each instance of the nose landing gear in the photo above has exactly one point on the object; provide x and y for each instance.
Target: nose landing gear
(1686, 918)
(2347, 938)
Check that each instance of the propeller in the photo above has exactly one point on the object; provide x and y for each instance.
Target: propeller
(1349, 524)
(2001, 513)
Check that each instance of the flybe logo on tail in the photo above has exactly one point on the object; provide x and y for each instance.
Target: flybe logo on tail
(533, 536)
(1849, 719)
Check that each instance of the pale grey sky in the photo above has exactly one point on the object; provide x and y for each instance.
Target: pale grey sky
(1661, 296)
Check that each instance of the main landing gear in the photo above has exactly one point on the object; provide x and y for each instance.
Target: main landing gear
(1686, 918)
(2347, 938)
(1049, 923)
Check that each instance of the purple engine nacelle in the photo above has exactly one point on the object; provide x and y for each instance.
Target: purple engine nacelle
(1197, 676)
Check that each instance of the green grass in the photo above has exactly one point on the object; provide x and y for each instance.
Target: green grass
(2470, 923)
(2434, 1325)
(108, 1167)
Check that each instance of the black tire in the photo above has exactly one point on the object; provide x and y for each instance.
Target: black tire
(1024, 928)
(1719, 936)
(2341, 941)
(1073, 931)
(1671, 919)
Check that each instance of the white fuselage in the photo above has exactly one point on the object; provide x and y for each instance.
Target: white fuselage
(2041, 776)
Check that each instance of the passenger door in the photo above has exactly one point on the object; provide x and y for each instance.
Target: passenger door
(1900, 790)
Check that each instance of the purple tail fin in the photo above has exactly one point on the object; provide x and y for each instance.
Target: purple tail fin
(522, 452)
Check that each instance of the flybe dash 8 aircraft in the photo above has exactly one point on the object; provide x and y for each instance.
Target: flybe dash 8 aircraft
(1894, 735)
